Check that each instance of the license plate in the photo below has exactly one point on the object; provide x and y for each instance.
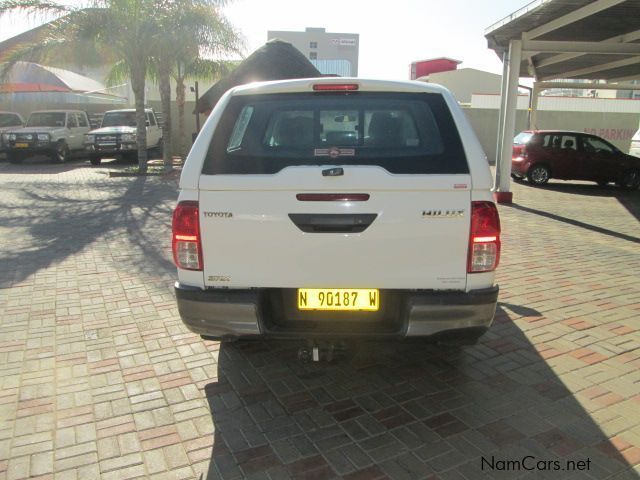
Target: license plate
(22, 145)
(349, 299)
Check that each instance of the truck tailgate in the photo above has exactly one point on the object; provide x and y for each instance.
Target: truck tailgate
(411, 232)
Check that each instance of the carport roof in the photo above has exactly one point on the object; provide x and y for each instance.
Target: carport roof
(573, 39)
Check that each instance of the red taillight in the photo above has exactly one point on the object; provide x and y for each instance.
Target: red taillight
(484, 238)
(519, 151)
(187, 250)
(335, 87)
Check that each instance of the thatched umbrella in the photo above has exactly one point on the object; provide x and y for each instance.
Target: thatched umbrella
(275, 60)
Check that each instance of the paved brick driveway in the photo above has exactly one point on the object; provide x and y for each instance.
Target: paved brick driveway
(101, 380)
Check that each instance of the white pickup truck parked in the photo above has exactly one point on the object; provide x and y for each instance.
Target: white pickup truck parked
(117, 136)
(337, 207)
(55, 133)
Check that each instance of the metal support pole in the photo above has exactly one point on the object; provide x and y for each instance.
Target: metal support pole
(534, 106)
(197, 113)
(503, 101)
(503, 195)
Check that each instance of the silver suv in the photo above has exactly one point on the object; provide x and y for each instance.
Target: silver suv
(117, 136)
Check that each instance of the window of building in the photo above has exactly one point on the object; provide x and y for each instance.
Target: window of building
(313, 44)
(313, 55)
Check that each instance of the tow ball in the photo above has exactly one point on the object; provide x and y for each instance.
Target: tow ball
(317, 351)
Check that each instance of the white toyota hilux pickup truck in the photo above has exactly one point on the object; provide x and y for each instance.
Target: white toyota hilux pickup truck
(337, 207)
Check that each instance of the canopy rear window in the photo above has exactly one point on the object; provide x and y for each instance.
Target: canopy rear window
(403, 133)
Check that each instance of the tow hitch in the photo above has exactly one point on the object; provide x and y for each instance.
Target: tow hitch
(322, 351)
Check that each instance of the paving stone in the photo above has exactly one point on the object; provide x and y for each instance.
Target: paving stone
(102, 380)
(405, 467)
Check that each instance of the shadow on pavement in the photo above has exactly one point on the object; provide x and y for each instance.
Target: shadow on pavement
(403, 411)
(629, 199)
(40, 165)
(576, 223)
(130, 220)
(520, 310)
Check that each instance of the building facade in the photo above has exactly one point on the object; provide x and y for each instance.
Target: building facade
(423, 68)
(331, 53)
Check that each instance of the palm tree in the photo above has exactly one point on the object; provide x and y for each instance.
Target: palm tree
(187, 30)
(135, 36)
(199, 68)
(117, 29)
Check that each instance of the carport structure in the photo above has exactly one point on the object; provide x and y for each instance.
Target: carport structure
(561, 39)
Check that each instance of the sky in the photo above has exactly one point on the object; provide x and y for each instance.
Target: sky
(392, 34)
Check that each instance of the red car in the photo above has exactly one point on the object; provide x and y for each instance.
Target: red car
(540, 155)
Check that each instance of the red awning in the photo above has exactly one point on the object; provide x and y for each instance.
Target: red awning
(31, 87)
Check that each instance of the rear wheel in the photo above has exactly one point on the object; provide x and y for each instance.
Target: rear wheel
(460, 338)
(538, 175)
(130, 157)
(95, 160)
(223, 339)
(61, 154)
(158, 150)
(630, 180)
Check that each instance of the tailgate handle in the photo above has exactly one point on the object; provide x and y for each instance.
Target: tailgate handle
(333, 172)
(332, 223)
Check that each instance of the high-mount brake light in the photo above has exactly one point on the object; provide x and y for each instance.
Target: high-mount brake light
(186, 242)
(335, 87)
(484, 238)
(332, 197)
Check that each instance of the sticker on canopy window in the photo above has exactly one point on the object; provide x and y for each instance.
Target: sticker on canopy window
(334, 152)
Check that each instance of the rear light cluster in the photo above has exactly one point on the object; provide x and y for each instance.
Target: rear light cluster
(186, 243)
(484, 239)
(520, 152)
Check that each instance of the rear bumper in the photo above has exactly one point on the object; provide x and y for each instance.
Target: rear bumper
(240, 313)
(520, 168)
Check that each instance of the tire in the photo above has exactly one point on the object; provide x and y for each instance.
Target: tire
(630, 180)
(130, 157)
(222, 339)
(95, 160)
(538, 175)
(461, 338)
(158, 149)
(61, 154)
(14, 157)
(516, 178)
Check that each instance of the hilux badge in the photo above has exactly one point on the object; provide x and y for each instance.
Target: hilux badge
(443, 213)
